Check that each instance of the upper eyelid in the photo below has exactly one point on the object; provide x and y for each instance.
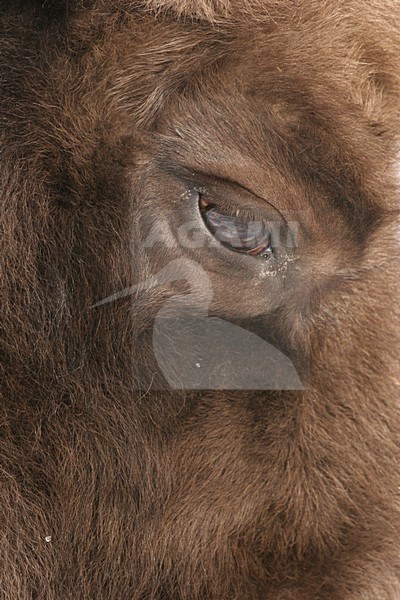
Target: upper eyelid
(214, 181)
(221, 188)
(195, 178)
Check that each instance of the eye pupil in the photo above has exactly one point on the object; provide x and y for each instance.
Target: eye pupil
(247, 237)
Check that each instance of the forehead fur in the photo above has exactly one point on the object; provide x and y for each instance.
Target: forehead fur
(203, 9)
(209, 10)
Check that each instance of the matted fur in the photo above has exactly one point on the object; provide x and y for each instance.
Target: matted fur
(112, 492)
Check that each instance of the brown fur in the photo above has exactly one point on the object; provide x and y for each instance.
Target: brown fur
(217, 495)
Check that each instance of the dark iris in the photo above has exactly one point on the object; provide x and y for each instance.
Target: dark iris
(247, 237)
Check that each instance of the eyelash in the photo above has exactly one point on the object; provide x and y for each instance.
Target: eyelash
(244, 214)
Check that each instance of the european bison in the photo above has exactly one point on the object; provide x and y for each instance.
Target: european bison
(200, 300)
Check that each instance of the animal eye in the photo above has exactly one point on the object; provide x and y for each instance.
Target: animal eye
(239, 235)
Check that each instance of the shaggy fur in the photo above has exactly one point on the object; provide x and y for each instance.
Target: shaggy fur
(110, 488)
